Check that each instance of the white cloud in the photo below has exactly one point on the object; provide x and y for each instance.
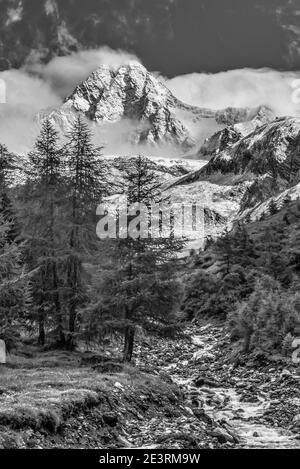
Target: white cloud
(25, 97)
(39, 86)
(64, 73)
(14, 14)
(238, 88)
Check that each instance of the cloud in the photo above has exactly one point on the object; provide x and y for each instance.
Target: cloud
(64, 73)
(39, 86)
(118, 139)
(238, 88)
(25, 97)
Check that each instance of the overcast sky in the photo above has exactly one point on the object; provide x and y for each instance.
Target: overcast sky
(171, 36)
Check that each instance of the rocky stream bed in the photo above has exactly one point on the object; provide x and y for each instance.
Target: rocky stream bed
(194, 392)
(226, 404)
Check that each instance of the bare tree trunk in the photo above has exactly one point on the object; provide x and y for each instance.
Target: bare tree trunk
(72, 321)
(60, 330)
(247, 341)
(128, 343)
(42, 334)
(73, 282)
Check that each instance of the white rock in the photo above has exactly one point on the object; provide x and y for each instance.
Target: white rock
(118, 385)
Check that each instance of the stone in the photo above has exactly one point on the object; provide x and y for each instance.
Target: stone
(118, 385)
(202, 415)
(221, 435)
(110, 419)
(189, 411)
(2, 352)
(203, 381)
(285, 373)
(296, 420)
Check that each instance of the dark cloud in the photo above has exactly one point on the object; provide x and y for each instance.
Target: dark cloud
(172, 36)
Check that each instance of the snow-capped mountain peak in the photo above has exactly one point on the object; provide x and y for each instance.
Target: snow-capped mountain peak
(131, 92)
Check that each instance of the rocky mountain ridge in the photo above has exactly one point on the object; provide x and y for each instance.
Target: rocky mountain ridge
(238, 125)
(156, 116)
(254, 157)
(272, 148)
(262, 166)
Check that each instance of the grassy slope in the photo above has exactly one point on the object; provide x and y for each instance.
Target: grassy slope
(39, 395)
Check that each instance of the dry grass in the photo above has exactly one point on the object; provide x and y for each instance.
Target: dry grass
(43, 392)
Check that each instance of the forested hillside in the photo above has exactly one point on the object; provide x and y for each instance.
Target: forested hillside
(92, 325)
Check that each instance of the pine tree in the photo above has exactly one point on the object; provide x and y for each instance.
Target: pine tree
(225, 249)
(7, 167)
(142, 289)
(272, 207)
(272, 258)
(293, 248)
(86, 187)
(243, 249)
(44, 225)
(13, 283)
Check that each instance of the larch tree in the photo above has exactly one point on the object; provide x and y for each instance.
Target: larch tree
(86, 188)
(42, 215)
(142, 288)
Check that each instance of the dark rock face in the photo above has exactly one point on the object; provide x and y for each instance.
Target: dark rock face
(239, 123)
(110, 419)
(219, 142)
(271, 149)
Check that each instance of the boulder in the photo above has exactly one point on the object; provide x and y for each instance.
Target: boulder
(203, 381)
(221, 435)
(296, 420)
(110, 419)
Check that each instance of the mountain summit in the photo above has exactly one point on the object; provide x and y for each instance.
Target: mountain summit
(131, 92)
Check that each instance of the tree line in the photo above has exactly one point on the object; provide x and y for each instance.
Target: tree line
(57, 279)
(250, 277)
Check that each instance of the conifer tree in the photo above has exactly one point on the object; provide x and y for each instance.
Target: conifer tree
(7, 167)
(86, 187)
(13, 286)
(272, 207)
(141, 289)
(225, 249)
(44, 226)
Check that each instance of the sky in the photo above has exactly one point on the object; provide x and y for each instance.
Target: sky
(174, 37)
(210, 53)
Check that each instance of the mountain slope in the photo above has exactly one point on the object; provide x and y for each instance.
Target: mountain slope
(242, 124)
(248, 174)
(273, 148)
